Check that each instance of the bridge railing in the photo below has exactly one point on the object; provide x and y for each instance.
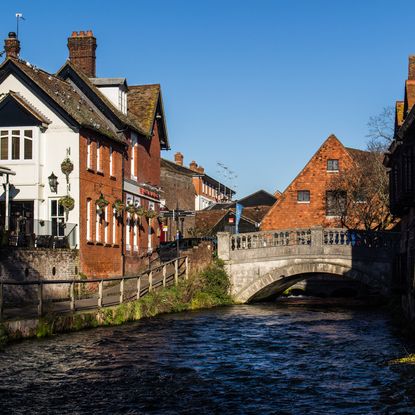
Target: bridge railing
(313, 237)
(266, 239)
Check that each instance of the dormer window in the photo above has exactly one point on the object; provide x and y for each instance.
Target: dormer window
(16, 144)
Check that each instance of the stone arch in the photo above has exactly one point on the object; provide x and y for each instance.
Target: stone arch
(287, 276)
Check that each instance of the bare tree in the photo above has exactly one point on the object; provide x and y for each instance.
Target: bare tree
(360, 194)
(381, 130)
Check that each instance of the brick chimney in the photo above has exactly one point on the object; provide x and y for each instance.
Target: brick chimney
(411, 68)
(200, 169)
(12, 46)
(178, 158)
(193, 166)
(82, 47)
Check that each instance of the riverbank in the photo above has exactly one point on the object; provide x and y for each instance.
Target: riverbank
(204, 289)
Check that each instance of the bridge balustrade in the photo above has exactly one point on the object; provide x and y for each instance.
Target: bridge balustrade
(314, 236)
(266, 239)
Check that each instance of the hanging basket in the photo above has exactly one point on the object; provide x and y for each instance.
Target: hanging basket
(140, 211)
(130, 209)
(101, 202)
(68, 203)
(118, 207)
(151, 214)
(67, 167)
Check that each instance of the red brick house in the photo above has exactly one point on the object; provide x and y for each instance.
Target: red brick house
(113, 134)
(306, 202)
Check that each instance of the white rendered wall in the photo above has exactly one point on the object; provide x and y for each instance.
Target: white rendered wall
(49, 150)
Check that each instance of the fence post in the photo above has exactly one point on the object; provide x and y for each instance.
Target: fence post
(101, 283)
(138, 287)
(122, 291)
(40, 298)
(164, 275)
(1, 301)
(176, 271)
(186, 264)
(72, 294)
(150, 281)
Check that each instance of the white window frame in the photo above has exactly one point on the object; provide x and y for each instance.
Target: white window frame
(133, 156)
(111, 162)
(88, 219)
(97, 227)
(59, 218)
(128, 233)
(88, 154)
(106, 223)
(99, 167)
(304, 192)
(22, 138)
(114, 229)
(135, 240)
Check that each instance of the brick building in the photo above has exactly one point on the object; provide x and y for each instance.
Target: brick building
(86, 153)
(190, 189)
(308, 200)
(400, 160)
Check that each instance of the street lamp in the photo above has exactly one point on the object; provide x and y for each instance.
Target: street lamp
(53, 183)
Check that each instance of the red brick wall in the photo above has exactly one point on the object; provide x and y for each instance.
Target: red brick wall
(147, 159)
(287, 212)
(99, 259)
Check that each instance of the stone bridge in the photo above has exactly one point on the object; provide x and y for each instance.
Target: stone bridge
(262, 264)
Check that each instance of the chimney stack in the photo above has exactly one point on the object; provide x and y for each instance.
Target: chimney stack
(178, 159)
(82, 46)
(12, 46)
(200, 169)
(193, 166)
(411, 68)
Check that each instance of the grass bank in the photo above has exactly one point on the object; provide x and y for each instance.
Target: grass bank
(205, 289)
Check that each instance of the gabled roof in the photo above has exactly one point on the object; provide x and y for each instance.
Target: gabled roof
(209, 219)
(258, 198)
(26, 105)
(144, 103)
(71, 71)
(66, 100)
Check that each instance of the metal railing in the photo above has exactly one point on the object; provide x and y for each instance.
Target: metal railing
(91, 293)
(45, 234)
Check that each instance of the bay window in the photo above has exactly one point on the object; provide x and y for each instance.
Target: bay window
(16, 144)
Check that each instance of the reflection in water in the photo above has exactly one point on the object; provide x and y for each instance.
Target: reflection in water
(262, 359)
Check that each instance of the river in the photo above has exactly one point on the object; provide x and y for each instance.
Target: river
(249, 359)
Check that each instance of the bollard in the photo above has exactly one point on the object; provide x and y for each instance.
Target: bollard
(101, 283)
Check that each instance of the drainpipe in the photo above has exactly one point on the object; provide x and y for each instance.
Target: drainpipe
(7, 189)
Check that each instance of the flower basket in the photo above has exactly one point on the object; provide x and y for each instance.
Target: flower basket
(151, 214)
(67, 167)
(118, 207)
(68, 203)
(130, 209)
(101, 202)
(140, 211)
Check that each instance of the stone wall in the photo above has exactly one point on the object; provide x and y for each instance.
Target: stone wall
(37, 265)
(199, 256)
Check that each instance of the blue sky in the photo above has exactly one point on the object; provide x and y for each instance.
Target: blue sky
(255, 85)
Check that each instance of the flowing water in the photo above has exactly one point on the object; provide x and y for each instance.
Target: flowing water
(257, 359)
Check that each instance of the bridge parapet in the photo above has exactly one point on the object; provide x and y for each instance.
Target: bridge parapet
(316, 240)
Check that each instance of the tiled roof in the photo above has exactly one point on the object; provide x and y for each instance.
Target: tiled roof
(208, 219)
(177, 168)
(129, 121)
(256, 213)
(142, 105)
(67, 98)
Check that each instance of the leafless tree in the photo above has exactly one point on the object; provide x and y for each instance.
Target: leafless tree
(381, 130)
(361, 194)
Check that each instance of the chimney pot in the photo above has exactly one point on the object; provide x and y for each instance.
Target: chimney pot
(82, 48)
(12, 46)
(193, 166)
(178, 158)
(411, 68)
(200, 169)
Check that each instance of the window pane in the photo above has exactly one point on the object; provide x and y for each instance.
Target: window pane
(333, 165)
(28, 133)
(303, 195)
(16, 132)
(61, 210)
(15, 148)
(28, 149)
(53, 209)
(4, 147)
